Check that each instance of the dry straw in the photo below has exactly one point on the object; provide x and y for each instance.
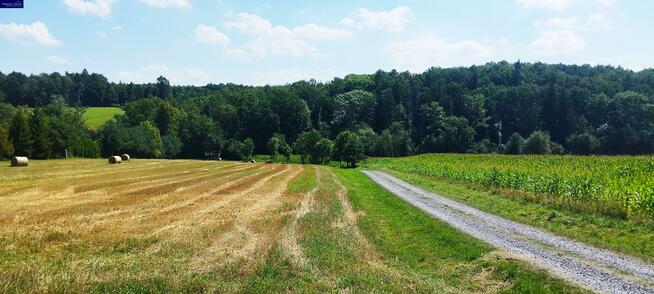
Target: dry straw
(19, 161)
(115, 160)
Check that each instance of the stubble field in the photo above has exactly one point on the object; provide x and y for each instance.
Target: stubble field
(208, 226)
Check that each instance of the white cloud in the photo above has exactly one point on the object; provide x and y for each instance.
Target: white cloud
(168, 3)
(557, 42)
(101, 8)
(598, 20)
(149, 74)
(558, 23)
(349, 22)
(393, 20)
(593, 21)
(101, 34)
(37, 32)
(58, 60)
(280, 40)
(116, 28)
(557, 5)
(210, 35)
(420, 53)
(562, 36)
(316, 32)
(237, 53)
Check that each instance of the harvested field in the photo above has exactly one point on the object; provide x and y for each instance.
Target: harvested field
(219, 226)
(84, 225)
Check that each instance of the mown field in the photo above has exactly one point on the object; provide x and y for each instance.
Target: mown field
(601, 200)
(206, 226)
(97, 116)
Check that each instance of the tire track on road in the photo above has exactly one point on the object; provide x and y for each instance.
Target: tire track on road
(596, 269)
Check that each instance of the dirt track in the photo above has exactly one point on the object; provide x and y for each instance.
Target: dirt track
(592, 268)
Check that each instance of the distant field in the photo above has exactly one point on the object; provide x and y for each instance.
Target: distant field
(97, 116)
(207, 226)
(613, 185)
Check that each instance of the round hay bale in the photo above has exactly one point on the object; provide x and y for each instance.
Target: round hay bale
(19, 161)
(253, 161)
(115, 160)
(125, 157)
(220, 159)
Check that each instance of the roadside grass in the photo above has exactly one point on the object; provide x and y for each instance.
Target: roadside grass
(95, 117)
(414, 241)
(628, 236)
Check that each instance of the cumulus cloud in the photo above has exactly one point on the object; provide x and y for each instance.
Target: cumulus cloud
(148, 74)
(562, 36)
(237, 53)
(557, 42)
(37, 32)
(598, 20)
(418, 54)
(101, 8)
(316, 32)
(58, 60)
(393, 20)
(168, 3)
(267, 39)
(210, 35)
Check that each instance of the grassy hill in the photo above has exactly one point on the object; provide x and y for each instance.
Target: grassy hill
(97, 116)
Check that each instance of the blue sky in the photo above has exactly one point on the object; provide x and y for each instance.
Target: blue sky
(260, 42)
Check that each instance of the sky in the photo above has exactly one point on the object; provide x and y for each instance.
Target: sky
(195, 42)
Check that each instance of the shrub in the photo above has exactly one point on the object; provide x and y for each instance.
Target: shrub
(537, 143)
(583, 144)
(514, 145)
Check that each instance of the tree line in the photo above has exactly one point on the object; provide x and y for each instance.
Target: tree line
(513, 108)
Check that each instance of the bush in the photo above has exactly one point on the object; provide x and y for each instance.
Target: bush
(557, 148)
(237, 150)
(537, 143)
(514, 145)
(582, 144)
(484, 146)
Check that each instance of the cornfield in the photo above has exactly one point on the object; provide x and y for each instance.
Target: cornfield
(621, 185)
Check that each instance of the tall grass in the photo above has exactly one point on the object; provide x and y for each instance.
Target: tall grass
(616, 185)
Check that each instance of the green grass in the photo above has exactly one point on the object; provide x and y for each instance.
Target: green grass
(434, 250)
(97, 116)
(623, 235)
(621, 186)
(280, 158)
(405, 250)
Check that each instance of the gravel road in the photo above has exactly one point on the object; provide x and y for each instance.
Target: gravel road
(592, 268)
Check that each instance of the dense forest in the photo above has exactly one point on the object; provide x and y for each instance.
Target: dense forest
(498, 107)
